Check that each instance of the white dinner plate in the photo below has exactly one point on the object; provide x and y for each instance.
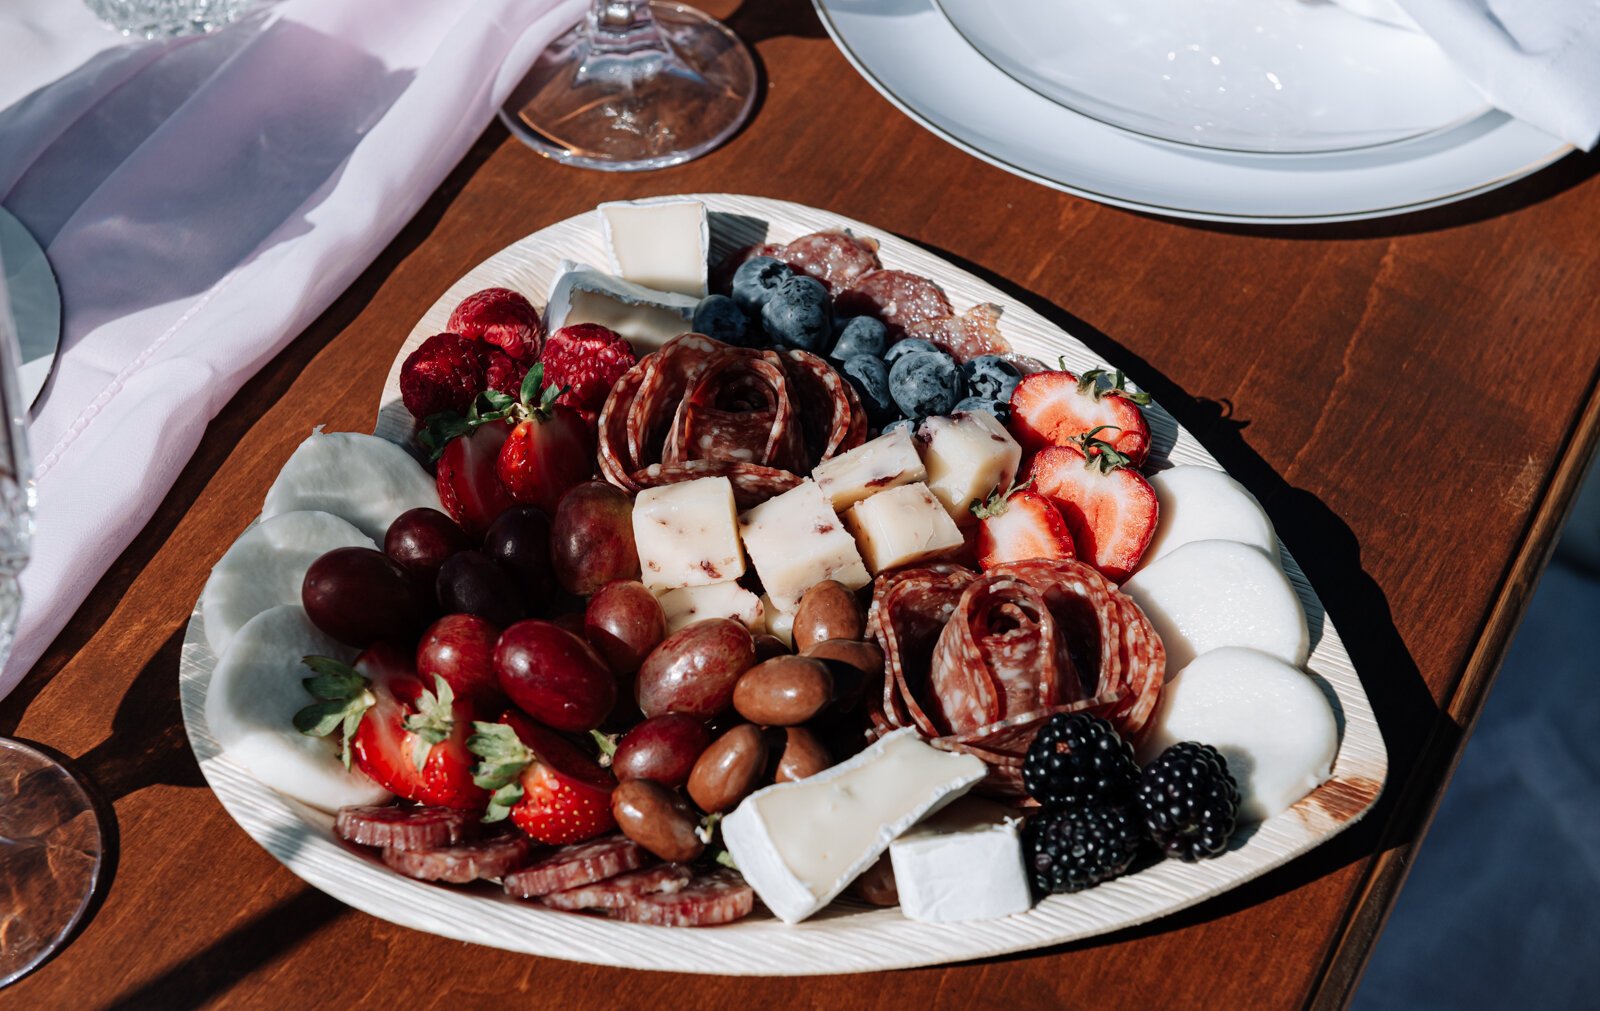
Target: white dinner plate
(912, 53)
(848, 936)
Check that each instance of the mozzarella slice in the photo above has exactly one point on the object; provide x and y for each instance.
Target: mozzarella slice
(265, 567)
(1204, 504)
(1270, 721)
(360, 478)
(1209, 594)
(964, 863)
(255, 691)
(799, 844)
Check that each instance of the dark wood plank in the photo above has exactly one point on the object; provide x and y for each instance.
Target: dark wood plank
(1412, 400)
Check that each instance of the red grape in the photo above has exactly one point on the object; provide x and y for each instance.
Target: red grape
(554, 676)
(695, 668)
(663, 748)
(519, 541)
(460, 649)
(591, 538)
(419, 540)
(624, 622)
(359, 596)
(469, 583)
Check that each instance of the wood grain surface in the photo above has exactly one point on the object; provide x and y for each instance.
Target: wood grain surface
(1413, 401)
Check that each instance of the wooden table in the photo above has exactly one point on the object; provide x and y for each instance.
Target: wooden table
(1413, 400)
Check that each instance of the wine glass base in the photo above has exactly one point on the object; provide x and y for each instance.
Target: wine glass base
(51, 848)
(648, 109)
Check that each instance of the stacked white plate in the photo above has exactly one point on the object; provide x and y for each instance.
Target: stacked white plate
(1228, 110)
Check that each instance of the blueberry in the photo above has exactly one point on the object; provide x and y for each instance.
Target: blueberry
(992, 377)
(999, 408)
(720, 316)
(861, 336)
(797, 314)
(909, 424)
(924, 383)
(870, 377)
(907, 346)
(755, 280)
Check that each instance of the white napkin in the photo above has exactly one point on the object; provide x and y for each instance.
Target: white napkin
(202, 201)
(1538, 60)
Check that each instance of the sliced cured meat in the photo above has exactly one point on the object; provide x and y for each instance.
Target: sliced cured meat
(579, 864)
(613, 892)
(909, 609)
(831, 415)
(479, 859)
(719, 897)
(721, 279)
(970, 335)
(834, 257)
(403, 828)
(898, 298)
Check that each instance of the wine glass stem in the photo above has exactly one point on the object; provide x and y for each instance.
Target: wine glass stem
(619, 27)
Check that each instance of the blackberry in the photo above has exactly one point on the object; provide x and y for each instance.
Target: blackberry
(1078, 759)
(1189, 801)
(1073, 848)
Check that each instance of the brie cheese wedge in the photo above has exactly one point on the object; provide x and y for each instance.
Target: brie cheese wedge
(647, 317)
(661, 244)
(964, 863)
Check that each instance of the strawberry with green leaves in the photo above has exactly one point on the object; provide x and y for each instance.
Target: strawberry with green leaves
(1057, 408)
(549, 788)
(1109, 507)
(1018, 524)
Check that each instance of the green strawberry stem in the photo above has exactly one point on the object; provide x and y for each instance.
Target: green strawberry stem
(1101, 455)
(434, 719)
(343, 698)
(995, 504)
(1089, 383)
(503, 757)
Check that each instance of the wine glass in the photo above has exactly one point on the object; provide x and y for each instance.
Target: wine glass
(154, 19)
(634, 85)
(50, 839)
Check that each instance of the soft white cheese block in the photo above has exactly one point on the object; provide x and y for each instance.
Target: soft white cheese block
(265, 567)
(647, 317)
(1204, 504)
(257, 687)
(799, 844)
(1209, 594)
(661, 244)
(362, 479)
(796, 541)
(689, 604)
(901, 526)
(687, 534)
(1270, 721)
(968, 456)
(964, 863)
(886, 462)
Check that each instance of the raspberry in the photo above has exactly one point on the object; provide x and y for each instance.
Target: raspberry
(501, 371)
(444, 374)
(503, 318)
(587, 359)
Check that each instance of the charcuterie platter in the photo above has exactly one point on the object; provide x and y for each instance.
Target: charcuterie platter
(848, 584)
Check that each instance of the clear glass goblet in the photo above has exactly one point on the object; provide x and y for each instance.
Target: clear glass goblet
(635, 85)
(154, 19)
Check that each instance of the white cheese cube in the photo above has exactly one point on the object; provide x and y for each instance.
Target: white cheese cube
(964, 863)
(687, 534)
(647, 317)
(968, 456)
(689, 604)
(662, 244)
(901, 526)
(796, 541)
(778, 623)
(886, 462)
(799, 844)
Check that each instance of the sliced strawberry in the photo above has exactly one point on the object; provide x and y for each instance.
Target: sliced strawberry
(1018, 525)
(469, 488)
(550, 789)
(501, 317)
(1109, 507)
(549, 452)
(1055, 408)
(411, 741)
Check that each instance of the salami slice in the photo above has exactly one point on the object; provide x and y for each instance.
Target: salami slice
(613, 892)
(491, 857)
(719, 897)
(909, 608)
(974, 333)
(898, 298)
(403, 828)
(576, 865)
(835, 257)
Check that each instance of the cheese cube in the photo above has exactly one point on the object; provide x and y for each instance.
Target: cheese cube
(647, 317)
(687, 534)
(964, 863)
(662, 244)
(796, 541)
(901, 526)
(968, 456)
(886, 462)
(778, 623)
(689, 604)
(800, 843)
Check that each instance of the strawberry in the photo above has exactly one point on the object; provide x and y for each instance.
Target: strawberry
(469, 489)
(501, 317)
(1019, 524)
(444, 374)
(550, 789)
(411, 741)
(548, 451)
(1109, 507)
(586, 360)
(1054, 408)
